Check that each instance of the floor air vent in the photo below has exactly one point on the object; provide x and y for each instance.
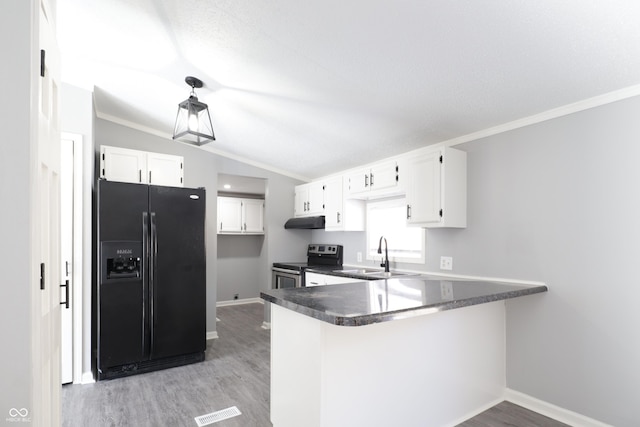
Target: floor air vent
(214, 417)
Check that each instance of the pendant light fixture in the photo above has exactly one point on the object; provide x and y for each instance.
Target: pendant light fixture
(193, 122)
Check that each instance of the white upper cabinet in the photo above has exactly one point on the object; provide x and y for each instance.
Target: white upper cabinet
(122, 164)
(253, 216)
(229, 215)
(437, 189)
(341, 214)
(164, 169)
(379, 178)
(309, 199)
(240, 216)
(141, 167)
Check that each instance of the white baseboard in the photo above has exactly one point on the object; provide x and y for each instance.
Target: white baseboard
(87, 378)
(551, 411)
(240, 301)
(472, 414)
(266, 325)
(212, 335)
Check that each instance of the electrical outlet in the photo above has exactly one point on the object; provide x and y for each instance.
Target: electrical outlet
(446, 263)
(359, 256)
(446, 290)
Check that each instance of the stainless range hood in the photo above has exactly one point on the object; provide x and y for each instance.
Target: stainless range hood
(307, 223)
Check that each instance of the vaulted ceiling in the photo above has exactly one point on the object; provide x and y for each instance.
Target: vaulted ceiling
(315, 87)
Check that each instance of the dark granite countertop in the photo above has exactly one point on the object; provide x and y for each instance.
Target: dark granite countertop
(367, 302)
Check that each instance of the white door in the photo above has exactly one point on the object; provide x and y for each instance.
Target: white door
(45, 214)
(66, 259)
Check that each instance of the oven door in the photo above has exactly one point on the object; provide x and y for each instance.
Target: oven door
(284, 279)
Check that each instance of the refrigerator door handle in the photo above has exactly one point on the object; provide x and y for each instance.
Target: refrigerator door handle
(152, 270)
(145, 283)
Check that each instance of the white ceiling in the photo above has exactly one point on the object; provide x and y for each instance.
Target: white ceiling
(315, 87)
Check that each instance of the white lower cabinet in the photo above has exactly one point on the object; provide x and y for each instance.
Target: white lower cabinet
(317, 279)
(240, 216)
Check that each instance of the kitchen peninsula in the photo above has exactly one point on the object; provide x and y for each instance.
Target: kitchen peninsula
(410, 351)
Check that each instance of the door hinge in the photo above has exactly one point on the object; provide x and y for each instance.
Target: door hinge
(42, 275)
(42, 63)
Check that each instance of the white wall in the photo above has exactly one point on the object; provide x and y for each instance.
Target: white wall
(558, 202)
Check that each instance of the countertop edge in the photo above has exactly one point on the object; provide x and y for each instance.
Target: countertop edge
(369, 319)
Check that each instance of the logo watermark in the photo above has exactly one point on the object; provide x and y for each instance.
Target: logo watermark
(20, 415)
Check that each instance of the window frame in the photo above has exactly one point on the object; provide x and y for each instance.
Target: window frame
(392, 202)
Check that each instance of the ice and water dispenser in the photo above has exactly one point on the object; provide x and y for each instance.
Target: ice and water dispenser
(121, 261)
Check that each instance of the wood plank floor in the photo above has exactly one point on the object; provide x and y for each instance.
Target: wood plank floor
(235, 373)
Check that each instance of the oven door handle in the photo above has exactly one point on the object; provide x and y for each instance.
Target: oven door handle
(284, 270)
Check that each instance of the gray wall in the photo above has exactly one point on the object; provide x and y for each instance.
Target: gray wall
(240, 270)
(16, 174)
(201, 170)
(558, 202)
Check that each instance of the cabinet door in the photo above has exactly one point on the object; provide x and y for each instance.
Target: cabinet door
(424, 189)
(253, 214)
(300, 202)
(358, 181)
(309, 199)
(123, 165)
(164, 169)
(315, 203)
(314, 279)
(333, 203)
(383, 175)
(229, 215)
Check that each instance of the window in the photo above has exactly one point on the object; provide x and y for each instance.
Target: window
(388, 218)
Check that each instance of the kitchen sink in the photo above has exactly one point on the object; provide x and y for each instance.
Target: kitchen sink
(388, 274)
(372, 273)
(359, 271)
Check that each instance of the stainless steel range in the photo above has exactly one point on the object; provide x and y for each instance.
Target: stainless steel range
(291, 274)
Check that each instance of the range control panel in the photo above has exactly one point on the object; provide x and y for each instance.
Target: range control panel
(328, 250)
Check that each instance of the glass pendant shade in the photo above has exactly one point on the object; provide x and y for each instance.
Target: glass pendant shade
(193, 122)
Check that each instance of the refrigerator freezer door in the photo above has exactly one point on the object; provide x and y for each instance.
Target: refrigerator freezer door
(178, 288)
(121, 298)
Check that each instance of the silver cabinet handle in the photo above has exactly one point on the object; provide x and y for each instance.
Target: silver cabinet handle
(408, 211)
(371, 180)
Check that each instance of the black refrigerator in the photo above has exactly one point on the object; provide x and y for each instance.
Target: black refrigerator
(150, 298)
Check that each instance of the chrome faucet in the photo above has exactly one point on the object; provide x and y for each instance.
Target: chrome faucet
(385, 263)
